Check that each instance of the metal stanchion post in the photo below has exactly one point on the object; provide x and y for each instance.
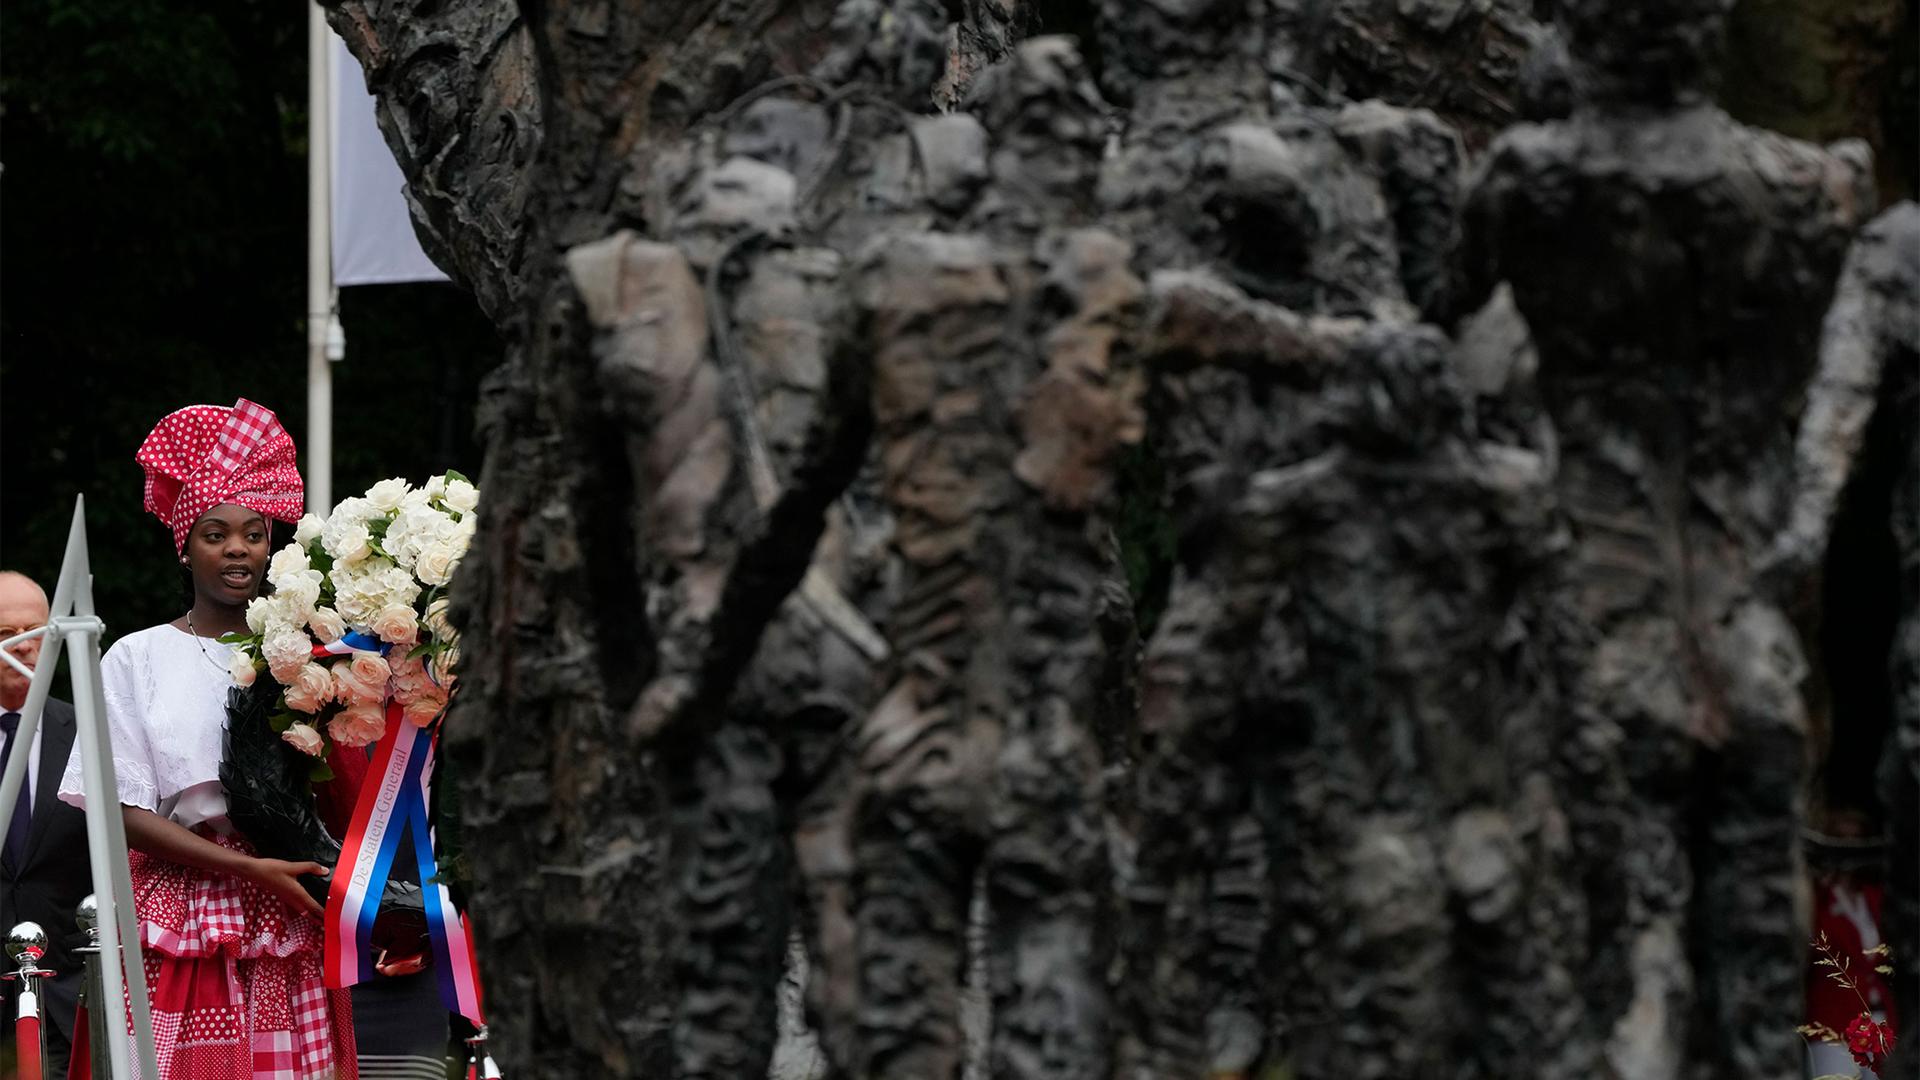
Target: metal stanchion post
(26, 944)
(480, 1064)
(93, 992)
(73, 627)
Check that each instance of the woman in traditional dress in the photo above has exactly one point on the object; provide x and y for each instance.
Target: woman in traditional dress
(232, 941)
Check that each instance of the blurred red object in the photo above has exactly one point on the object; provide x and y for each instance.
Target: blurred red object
(1847, 911)
(335, 798)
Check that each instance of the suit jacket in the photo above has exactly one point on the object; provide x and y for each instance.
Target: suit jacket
(56, 873)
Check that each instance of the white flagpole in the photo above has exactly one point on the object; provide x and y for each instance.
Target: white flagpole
(321, 322)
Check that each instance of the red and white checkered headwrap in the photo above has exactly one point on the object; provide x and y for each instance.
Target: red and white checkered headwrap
(203, 455)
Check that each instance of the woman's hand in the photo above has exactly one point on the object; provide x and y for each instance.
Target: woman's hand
(150, 833)
(394, 967)
(282, 879)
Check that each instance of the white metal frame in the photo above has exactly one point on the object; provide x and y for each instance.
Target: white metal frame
(71, 621)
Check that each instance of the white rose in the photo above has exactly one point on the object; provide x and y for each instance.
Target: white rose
(436, 563)
(310, 689)
(327, 625)
(288, 561)
(387, 495)
(241, 666)
(358, 725)
(396, 624)
(268, 613)
(305, 739)
(302, 593)
(371, 668)
(462, 497)
(435, 487)
(350, 689)
(347, 540)
(308, 530)
(423, 709)
(286, 650)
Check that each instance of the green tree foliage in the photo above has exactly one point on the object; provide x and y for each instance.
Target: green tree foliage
(1831, 69)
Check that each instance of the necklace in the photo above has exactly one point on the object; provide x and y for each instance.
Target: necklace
(201, 645)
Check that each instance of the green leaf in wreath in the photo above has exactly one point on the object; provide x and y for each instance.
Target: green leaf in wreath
(280, 722)
(377, 535)
(319, 772)
(430, 647)
(456, 474)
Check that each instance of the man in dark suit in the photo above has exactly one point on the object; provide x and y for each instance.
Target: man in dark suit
(43, 861)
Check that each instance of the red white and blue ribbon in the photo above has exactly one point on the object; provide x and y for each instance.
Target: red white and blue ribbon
(352, 641)
(367, 854)
(447, 926)
(394, 800)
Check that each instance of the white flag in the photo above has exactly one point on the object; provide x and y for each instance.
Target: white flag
(373, 240)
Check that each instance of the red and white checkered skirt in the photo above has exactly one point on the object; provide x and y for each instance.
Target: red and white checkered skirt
(234, 977)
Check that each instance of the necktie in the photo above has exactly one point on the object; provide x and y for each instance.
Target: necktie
(17, 826)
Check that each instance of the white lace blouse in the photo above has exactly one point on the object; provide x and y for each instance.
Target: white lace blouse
(166, 694)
